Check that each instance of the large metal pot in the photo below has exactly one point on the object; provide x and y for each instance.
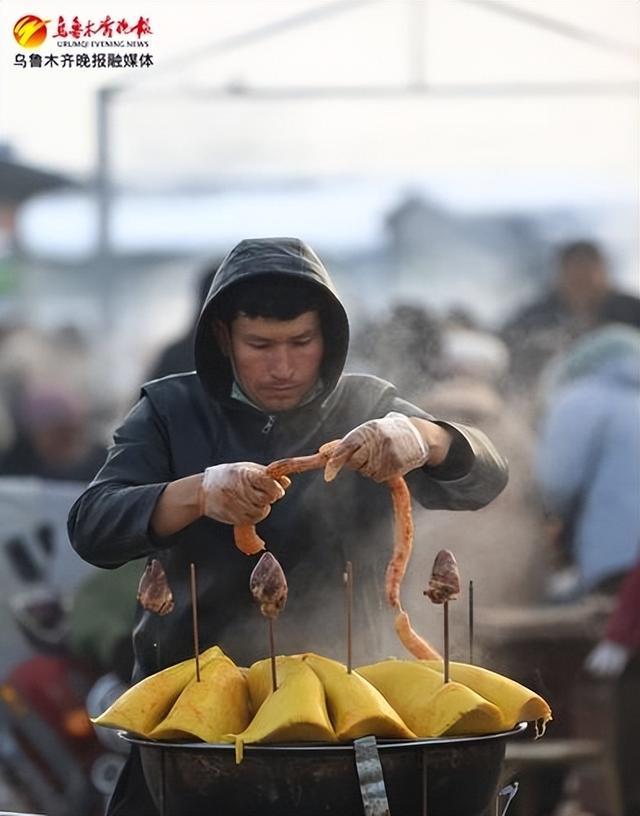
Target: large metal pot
(455, 776)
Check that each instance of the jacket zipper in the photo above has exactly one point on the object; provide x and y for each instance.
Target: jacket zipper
(269, 424)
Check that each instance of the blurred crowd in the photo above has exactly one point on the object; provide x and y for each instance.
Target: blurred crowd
(557, 388)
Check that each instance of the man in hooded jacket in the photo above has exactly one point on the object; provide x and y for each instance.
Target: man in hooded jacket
(270, 348)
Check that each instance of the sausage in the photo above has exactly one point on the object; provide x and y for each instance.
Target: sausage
(412, 641)
(247, 540)
(402, 539)
(244, 535)
(154, 592)
(300, 464)
(444, 584)
(268, 586)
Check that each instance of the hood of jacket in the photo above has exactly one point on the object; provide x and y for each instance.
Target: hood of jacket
(610, 353)
(286, 258)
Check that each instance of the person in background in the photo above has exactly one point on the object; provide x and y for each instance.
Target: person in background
(587, 458)
(581, 298)
(621, 641)
(43, 707)
(100, 620)
(475, 363)
(404, 344)
(178, 356)
(53, 438)
(616, 660)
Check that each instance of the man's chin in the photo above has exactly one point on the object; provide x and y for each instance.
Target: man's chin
(277, 402)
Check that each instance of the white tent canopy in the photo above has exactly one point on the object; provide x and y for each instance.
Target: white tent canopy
(517, 86)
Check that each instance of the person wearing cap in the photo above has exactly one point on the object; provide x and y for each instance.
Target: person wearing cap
(189, 462)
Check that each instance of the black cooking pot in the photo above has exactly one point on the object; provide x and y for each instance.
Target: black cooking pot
(457, 776)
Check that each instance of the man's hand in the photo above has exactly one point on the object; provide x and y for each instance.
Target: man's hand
(238, 493)
(380, 449)
(607, 660)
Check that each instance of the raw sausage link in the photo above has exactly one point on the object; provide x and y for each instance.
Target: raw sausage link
(244, 535)
(247, 540)
(412, 641)
(299, 464)
(402, 539)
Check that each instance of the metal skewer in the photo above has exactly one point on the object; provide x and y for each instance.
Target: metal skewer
(444, 585)
(348, 581)
(268, 586)
(425, 785)
(446, 641)
(194, 613)
(471, 622)
(272, 653)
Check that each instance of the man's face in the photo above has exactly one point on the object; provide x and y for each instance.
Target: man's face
(277, 362)
(583, 284)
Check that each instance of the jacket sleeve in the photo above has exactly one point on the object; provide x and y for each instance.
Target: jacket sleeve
(471, 476)
(109, 523)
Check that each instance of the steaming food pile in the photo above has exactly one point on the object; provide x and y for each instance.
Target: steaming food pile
(309, 698)
(318, 700)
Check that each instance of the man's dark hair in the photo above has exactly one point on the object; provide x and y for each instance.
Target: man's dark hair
(272, 296)
(580, 251)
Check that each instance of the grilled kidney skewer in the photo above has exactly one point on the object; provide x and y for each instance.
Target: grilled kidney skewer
(444, 584)
(154, 592)
(268, 586)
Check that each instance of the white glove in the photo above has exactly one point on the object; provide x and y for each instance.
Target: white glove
(607, 659)
(238, 493)
(380, 449)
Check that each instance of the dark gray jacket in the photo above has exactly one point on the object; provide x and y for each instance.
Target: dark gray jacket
(187, 422)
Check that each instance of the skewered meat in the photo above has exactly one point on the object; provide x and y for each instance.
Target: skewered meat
(268, 586)
(154, 592)
(444, 584)
(412, 641)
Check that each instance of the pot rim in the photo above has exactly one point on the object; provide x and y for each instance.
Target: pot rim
(322, 747)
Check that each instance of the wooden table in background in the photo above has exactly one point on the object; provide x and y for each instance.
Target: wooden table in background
(544, 647)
